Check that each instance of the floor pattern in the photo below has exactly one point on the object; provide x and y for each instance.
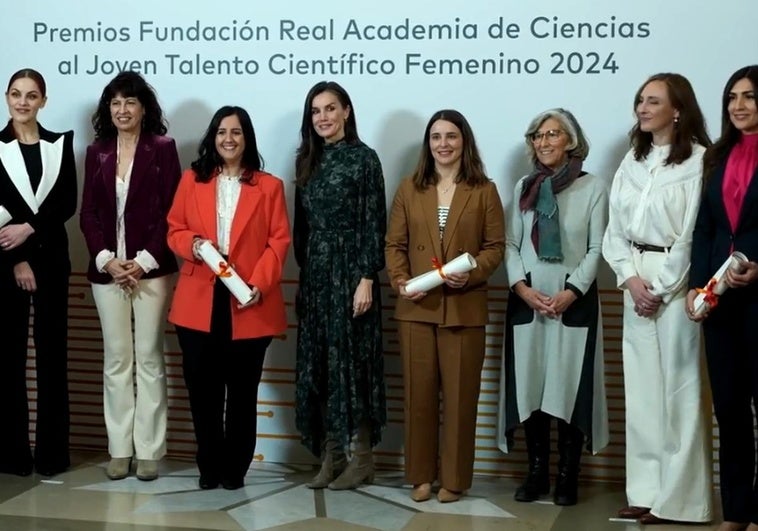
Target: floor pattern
(275, 498)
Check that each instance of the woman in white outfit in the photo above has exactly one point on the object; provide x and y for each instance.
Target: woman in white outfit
(653, 206)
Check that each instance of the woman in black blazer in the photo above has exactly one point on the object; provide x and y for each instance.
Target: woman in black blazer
(37, 196)
(727, 222)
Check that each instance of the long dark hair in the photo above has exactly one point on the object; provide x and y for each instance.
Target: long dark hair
(31, 74)
(311, 145)
(128, 84)
(690, 127)
(472, 168)
(209, 162)
(730, 135)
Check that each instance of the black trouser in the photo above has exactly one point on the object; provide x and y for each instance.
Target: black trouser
(732, 354)
(215, 366)
(50, 301)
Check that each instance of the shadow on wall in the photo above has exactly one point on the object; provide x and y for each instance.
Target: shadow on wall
(398, 144)
(287, 140)
(84, 135)
(192, 116)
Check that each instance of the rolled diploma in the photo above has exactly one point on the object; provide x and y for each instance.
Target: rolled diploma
(735, 263)
(432, 279)
(228, 275)
(5, 216)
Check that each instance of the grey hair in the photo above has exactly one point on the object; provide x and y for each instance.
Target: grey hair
(579, 146)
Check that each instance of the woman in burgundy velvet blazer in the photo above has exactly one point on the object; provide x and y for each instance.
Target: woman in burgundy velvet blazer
(131, 173)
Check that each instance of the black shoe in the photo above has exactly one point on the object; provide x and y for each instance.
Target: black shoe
(208, 483)
(49, 470)
(22, 471)
(233, 483)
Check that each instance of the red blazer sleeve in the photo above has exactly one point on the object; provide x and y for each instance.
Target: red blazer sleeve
(267, 272)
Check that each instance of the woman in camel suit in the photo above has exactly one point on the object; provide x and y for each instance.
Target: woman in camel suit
(447, 207)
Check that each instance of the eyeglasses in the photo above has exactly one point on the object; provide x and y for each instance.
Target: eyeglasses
(551, 134)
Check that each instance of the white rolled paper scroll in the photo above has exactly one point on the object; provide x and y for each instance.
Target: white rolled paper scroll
(436, 277)
(717, 285)
(5, 216)
(225, 272)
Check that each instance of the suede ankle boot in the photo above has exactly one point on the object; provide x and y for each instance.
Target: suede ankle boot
(333, 463)
(361, 466)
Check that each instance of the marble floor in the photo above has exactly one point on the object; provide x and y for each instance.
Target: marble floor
(275, 498)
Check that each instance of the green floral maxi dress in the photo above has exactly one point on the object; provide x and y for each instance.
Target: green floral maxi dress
(340, 221)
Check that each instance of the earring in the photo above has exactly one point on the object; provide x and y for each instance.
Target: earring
(676, 119)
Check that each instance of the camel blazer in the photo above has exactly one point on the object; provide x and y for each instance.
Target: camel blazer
(50, 207)
(475, 224)
(155, 175)
(258, 247)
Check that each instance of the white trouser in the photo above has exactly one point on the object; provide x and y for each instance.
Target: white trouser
(134, 427)
(668, 465)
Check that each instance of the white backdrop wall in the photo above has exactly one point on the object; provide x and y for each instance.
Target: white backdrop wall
(499, 63)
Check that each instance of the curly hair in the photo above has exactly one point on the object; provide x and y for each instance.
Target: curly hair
(128, 84)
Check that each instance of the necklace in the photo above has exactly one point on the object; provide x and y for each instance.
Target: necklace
(443, 191)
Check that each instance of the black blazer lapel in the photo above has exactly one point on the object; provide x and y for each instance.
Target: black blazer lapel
(747, 212)
(715, 184)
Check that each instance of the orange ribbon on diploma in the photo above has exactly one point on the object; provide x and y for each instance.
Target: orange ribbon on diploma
(438, 266)
(221, 268)
(224, 270)
(709, 296)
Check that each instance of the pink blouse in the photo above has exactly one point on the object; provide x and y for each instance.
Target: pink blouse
(740, 167)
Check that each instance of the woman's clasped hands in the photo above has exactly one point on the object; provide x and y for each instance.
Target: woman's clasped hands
(125, 273)
(645, 303)
(549, 306)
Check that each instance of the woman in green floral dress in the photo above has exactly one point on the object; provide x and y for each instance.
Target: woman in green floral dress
(340, 219)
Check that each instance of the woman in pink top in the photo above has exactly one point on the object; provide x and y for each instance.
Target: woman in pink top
(727, 222)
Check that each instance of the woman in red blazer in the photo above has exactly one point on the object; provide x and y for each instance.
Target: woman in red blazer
(227, 200)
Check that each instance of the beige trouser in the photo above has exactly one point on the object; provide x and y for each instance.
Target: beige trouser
(134, 425)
